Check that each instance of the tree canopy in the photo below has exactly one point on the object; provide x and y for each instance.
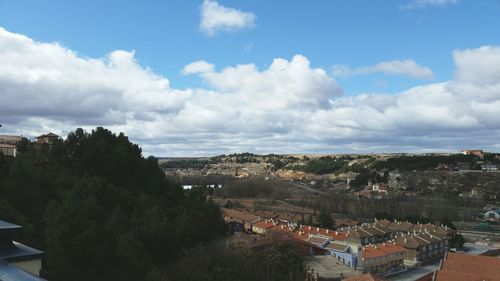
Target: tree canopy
(99, 209)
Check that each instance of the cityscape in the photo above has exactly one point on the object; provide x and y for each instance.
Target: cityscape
(217, 140)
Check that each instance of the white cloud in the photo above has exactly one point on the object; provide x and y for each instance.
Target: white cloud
(197, 67)
(287, 107)
(395, 67)
(215, 18)
(418, 4)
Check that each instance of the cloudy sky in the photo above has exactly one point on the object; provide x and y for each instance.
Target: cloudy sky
(205, 77)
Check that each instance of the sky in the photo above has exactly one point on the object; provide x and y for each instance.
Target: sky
(206, 77)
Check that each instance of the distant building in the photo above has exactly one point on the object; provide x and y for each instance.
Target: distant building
(380, 187)
(47, 138)
(239, 220)
(8, 144)
(9, 139)
(422, 247)
(382, 258)
(475, 152)
(8, 149)
(466, 267)
(17, 261)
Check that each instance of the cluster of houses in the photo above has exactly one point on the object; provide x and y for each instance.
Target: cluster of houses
(8, 142)
(382, 247)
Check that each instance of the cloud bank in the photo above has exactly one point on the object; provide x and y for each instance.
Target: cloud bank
(419, 4)
(216, 18)
(287, 107)
(395, 67)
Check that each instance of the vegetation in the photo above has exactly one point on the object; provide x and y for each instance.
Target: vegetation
(99, 209)
(420, 162)
(322, 165)
(279, 262)
(325, 219)
(185, 164)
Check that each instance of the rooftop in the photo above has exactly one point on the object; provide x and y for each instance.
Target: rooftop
(239, 215)
(10, 272)
(380, 250)
(458, 267)
(8, 225)
(18, 252)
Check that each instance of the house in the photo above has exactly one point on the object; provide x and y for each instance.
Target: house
(8, 139)
(492, 215)
(366, 234)
(382, 258)
(262, 227)
(47, 138)
(239, 220)
(422, 247)
(339, 222)
(466, 267)
(475, 152)
(380, 188)
(8, 149)
(343, 253)
(331, 242)
(17, 261)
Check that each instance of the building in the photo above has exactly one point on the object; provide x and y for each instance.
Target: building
(421, 247)
(262, 227)
(380, 188)
(9, 139)
(17, 261)
(47, 138)
(465, 267)
(382, 258)
(475, 152)
(8, 149)
(239, 221)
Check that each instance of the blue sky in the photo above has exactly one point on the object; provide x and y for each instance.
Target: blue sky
(165, 34)
(381, 48)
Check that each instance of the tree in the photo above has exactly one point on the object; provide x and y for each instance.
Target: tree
(100, 210)
(324, 219)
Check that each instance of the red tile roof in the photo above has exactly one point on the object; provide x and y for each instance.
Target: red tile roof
(380, 250)
(460, 267)
(265, 224)
(239, 215)
(335, 235)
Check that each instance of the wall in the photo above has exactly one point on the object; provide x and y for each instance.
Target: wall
(32, 266)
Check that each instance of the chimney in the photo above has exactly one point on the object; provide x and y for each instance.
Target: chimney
(309, 227)
(336, 233)
(317, 228)
(327, 231)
